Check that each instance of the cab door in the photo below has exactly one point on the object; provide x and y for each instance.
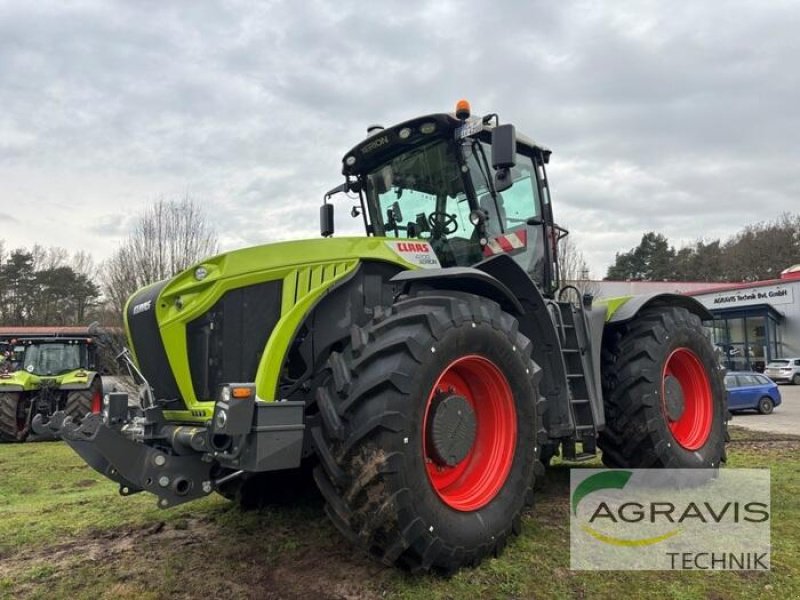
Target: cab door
(516, 223)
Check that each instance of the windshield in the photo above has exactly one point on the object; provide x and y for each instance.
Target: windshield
(779, 363)
(52, 359)
(429, 192)
(421, 194)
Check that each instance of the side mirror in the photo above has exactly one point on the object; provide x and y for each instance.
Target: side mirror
(326, 220)
(504, 155)
(504, 147)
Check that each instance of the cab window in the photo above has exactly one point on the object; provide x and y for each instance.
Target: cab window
(421, 194)
(513, 207)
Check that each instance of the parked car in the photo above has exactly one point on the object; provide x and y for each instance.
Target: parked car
(751, 391)
(784, 370)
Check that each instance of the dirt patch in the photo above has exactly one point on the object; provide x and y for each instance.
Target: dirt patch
(179, 560)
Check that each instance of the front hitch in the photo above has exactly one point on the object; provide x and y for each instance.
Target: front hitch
(134, 466)
(179, 463)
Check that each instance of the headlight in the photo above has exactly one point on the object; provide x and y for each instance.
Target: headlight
(477, 216)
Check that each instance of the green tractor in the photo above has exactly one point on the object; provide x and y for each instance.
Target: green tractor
(45, 373)
(422, 374)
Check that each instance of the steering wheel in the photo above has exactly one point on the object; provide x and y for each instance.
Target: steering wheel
(441, 221)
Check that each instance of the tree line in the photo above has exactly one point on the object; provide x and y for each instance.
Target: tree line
(757, 252)
(48, 286)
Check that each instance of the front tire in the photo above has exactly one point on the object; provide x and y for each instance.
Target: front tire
(428, 433)
(14, 421)
(796, 379)
(664, 396)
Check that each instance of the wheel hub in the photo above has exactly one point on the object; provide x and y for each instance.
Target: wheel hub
(451, 429)
(674, 401)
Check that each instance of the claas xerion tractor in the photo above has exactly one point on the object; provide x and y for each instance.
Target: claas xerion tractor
(422, 374)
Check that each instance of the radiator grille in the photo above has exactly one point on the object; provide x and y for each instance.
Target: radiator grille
(225, 344)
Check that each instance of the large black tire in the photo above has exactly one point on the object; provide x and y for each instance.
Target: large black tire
(14, 422)
(796, 379)
(81, 402)
(375, 470)
(655, 415)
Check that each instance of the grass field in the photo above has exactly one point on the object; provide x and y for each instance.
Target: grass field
(65, 532)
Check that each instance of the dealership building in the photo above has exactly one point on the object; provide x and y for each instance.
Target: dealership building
(754, 322)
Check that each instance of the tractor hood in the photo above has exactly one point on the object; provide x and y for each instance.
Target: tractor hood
(232, 317)
(282, 255)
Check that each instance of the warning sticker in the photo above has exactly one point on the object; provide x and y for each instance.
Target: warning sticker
(416, 253)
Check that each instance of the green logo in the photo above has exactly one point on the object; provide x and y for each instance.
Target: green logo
(610, 480)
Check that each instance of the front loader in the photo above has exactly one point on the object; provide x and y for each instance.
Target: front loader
(422, 374)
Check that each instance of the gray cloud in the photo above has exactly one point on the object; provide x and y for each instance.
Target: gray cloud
(679, 117)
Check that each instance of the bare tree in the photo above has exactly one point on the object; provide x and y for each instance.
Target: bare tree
(166, 238)
(573, 270)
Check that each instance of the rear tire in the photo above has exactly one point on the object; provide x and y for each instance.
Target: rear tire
(766, 405)
(82, 402)
(665, 400)
(14, 426)
(412, 468)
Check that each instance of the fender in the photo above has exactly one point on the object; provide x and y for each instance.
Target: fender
(73, 383)
(625, 308)
(463, 279)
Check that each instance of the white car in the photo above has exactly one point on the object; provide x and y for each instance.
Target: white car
(784, 370)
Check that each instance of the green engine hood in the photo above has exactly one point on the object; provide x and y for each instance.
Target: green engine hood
(306, 269)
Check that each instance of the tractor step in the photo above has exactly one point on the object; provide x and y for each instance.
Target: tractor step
(582, 457)
(569, 452)
(574, 339)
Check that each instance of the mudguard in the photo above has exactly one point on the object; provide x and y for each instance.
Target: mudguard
(619, 310)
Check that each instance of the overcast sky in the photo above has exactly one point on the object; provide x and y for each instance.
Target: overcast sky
(679, 117)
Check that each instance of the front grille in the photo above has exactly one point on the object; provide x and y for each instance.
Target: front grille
(225, 343)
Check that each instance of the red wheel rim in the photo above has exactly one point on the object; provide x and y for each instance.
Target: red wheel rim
(475, 481)
(97, 402)
(692, 428)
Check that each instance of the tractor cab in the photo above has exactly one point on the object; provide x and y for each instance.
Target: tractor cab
(470, 187)
(50, 357)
